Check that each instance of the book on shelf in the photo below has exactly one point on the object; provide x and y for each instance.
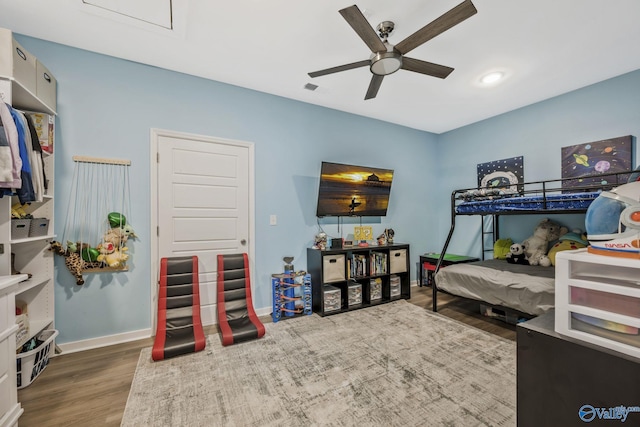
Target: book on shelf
(358, 265)
(378, 263)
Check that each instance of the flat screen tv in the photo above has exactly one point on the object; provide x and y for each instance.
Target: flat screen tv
(349, 190)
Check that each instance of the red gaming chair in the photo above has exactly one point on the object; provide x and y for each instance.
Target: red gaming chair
(179, 329)
(237, 320)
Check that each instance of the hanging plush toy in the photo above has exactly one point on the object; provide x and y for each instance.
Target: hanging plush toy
(115, 259)
(72, 260)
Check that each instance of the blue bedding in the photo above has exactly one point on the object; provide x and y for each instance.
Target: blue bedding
(578, 202)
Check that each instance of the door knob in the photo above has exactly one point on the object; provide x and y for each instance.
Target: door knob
(243, 242)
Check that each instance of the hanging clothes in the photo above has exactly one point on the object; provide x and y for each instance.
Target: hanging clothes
(37, 161)
(25, 192)
(11, 133)
(6, 162)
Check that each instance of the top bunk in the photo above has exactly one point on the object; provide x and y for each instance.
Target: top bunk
(566, 195)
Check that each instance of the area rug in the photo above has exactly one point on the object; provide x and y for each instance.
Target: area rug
(389, 365)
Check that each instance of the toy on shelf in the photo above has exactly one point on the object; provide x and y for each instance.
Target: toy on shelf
(291, 292)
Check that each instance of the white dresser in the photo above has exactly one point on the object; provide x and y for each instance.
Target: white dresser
(10, 409)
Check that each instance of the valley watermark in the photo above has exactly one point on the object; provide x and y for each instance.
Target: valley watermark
(588, 413)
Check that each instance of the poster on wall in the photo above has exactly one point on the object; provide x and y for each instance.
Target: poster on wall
(505, 173)
(585, 164)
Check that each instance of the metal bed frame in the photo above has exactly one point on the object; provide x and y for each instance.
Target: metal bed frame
(547, 194)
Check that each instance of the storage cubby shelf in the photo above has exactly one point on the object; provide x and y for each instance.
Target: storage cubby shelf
(333, 272)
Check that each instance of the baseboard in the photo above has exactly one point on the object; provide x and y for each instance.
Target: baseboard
(266, 311)
(75, 346)
(89, 344)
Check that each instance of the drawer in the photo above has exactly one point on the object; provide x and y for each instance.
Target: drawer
(398, 261)
(7, 311)
(21, 66)
(7, 388)
(5, 355)
(333, 268)
(46, 86)
(332, 298)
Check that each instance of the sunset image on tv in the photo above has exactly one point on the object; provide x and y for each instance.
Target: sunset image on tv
(348, 190)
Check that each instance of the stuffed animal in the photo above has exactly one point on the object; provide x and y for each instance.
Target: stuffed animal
(516, 255)
(116, 236)
(575, 239)
(536, 246)
(115, 259)
(502, 248)
(72, 260)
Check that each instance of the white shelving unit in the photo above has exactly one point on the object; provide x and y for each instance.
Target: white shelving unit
(598, 300)
(27, 85)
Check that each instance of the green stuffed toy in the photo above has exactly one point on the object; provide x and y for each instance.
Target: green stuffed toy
(501, 248)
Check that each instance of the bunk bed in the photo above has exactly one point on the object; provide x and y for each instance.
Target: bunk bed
(523, 291)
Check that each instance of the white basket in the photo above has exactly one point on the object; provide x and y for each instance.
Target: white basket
(31, 363)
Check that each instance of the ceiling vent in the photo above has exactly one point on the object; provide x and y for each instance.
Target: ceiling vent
(156, 12)
(310, 86)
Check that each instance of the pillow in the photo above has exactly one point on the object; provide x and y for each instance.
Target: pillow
(501, 248)
(564, 245)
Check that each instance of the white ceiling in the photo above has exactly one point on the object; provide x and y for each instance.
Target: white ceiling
(546, 47)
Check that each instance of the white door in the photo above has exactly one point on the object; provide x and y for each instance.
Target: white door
(204, 199)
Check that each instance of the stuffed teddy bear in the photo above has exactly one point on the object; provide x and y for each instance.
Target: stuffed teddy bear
(115, 259)
(516, 255)
(536, 246)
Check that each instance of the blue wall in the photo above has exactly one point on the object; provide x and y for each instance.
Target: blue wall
(605, 110)
(106, 107)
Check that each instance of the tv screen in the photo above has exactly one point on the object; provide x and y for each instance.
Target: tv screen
(349, 190)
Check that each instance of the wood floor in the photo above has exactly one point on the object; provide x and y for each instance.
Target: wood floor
(90, 388)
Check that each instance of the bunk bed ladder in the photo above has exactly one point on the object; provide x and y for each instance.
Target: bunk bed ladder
(490, 233)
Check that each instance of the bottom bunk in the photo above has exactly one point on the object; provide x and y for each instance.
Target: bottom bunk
(524, 289)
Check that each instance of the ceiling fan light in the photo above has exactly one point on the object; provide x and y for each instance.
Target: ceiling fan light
(385, 63)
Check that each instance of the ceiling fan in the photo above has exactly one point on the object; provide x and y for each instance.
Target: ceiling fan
(387, 58)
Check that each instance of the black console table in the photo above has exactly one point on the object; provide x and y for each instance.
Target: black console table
(568, 382)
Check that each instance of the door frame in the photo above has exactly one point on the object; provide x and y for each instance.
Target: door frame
(155, 135)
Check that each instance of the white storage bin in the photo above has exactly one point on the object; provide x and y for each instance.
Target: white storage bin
(598, 300)
(332, 298)
(21, 65)
(31, 363)
(333, 268)
(394, 285)
(398, 261)
(375, 289)
(354, 294)
(46, 85)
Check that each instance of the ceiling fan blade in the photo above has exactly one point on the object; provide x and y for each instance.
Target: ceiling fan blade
(340, 68)
(424, 67)
(453, 17)
(359, 23)
(374, 86)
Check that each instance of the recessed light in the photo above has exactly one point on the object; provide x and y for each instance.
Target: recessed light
(492, 78)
